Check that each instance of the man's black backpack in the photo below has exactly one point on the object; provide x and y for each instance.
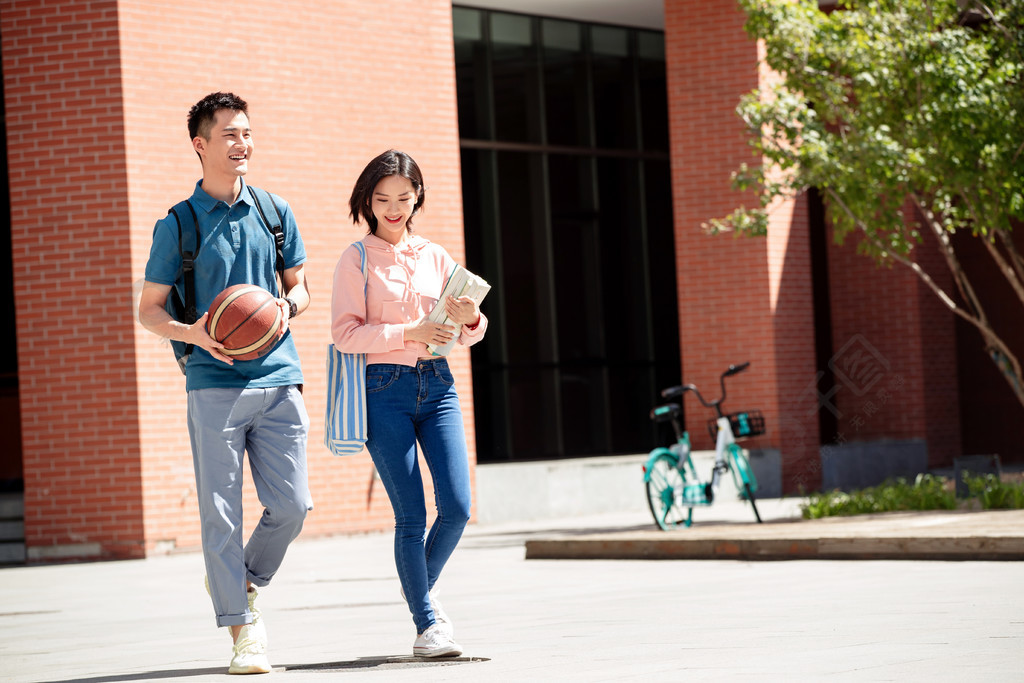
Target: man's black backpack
(184, 310)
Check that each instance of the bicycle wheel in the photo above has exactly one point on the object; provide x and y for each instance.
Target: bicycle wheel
(664, 493)
(747, 483)
(753, 504)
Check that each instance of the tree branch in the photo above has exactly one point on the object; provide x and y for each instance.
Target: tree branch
(997, 349)
(1004, 267)
(946, 249)
(921, 273)
(1011, 249)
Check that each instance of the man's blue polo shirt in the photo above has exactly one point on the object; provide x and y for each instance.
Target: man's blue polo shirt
(237, 248)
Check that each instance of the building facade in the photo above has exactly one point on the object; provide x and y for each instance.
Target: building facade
(569, 159)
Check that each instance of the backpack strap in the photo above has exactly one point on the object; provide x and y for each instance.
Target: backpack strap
(188, 257)
(267, 207)
(187, 308)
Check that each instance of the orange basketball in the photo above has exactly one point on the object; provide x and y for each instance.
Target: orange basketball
(245, 319)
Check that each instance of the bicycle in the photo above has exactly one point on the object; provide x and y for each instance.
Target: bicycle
(669, 474)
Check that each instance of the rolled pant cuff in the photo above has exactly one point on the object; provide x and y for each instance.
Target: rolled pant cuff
(234, 619)
(256, 581)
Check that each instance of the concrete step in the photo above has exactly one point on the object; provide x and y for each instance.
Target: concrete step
(12, 528)
(12, 553)
(12, 505)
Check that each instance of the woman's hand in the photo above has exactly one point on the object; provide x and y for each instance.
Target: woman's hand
(464, 310)
(429, 332)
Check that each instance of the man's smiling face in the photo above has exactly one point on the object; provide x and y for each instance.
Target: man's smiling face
(229, 147)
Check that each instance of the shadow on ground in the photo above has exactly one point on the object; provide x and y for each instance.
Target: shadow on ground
(381, 663)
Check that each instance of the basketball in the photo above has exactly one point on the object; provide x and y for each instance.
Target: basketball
(245, 319)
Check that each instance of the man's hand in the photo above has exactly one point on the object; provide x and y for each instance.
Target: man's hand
(198, 336)
(157, 320)
(286, 311)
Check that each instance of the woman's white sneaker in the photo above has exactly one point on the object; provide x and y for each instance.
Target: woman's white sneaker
(435, 642)
(441, 618)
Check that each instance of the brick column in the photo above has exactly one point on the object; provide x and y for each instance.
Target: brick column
(739, 299)
(96, 97)
(72, 279)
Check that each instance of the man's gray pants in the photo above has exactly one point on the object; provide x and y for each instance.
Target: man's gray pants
(271, 425)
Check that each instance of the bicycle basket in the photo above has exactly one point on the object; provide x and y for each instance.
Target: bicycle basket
(744, 425)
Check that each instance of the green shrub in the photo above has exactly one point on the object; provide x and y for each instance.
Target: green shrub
(927, 492)
(994, 494)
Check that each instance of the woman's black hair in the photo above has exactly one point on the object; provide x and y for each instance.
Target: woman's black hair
(391, 162)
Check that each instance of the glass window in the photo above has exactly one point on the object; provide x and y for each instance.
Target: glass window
(516, 79)
(562, 35)
(614, 86)
(609, 41)
(566, 84)
(653, 90)
(471, 77)
(466, 24)
(568, 214)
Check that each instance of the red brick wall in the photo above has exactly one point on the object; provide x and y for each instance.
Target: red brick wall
(97, 96)
(72, 277)
(942, 425)
(904, 384)
(329, 86)
(739, 299)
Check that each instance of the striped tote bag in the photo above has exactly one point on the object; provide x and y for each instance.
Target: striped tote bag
(345, 423)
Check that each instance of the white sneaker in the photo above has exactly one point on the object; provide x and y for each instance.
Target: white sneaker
(441, 619)
(435, 642)
(249, 654)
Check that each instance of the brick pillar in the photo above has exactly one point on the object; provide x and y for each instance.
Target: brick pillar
(739, 299)
(295, 75)
(72, 282)
(96, 99)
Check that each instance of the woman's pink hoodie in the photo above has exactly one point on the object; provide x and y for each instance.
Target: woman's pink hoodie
(403, 283)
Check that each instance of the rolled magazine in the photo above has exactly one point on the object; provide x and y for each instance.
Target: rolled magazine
(460, 283)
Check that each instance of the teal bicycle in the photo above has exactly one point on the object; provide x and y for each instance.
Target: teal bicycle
(673, 486)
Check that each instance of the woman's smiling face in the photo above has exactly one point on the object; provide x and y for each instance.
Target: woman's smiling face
(393, 202)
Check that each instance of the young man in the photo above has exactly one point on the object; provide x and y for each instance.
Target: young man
(236, 406)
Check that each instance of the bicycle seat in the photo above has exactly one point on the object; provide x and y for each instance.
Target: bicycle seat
(665, 413)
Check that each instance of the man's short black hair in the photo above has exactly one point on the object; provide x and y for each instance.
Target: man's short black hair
(203, 113)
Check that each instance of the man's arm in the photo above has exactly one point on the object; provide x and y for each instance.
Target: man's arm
(296, 289)
(155, 318)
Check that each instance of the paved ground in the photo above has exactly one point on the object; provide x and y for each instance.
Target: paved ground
(334, 613)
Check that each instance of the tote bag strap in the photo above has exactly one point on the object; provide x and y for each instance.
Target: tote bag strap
(362, 259)
(345, 424)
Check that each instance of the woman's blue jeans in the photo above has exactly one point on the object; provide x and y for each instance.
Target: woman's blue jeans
(405, 405)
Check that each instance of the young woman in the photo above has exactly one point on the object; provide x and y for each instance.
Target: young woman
(410, 394)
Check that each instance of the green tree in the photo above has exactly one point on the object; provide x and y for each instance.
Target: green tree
(890, 105)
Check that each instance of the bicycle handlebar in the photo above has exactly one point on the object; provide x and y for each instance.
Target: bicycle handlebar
(673, 392)
(736, 369)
